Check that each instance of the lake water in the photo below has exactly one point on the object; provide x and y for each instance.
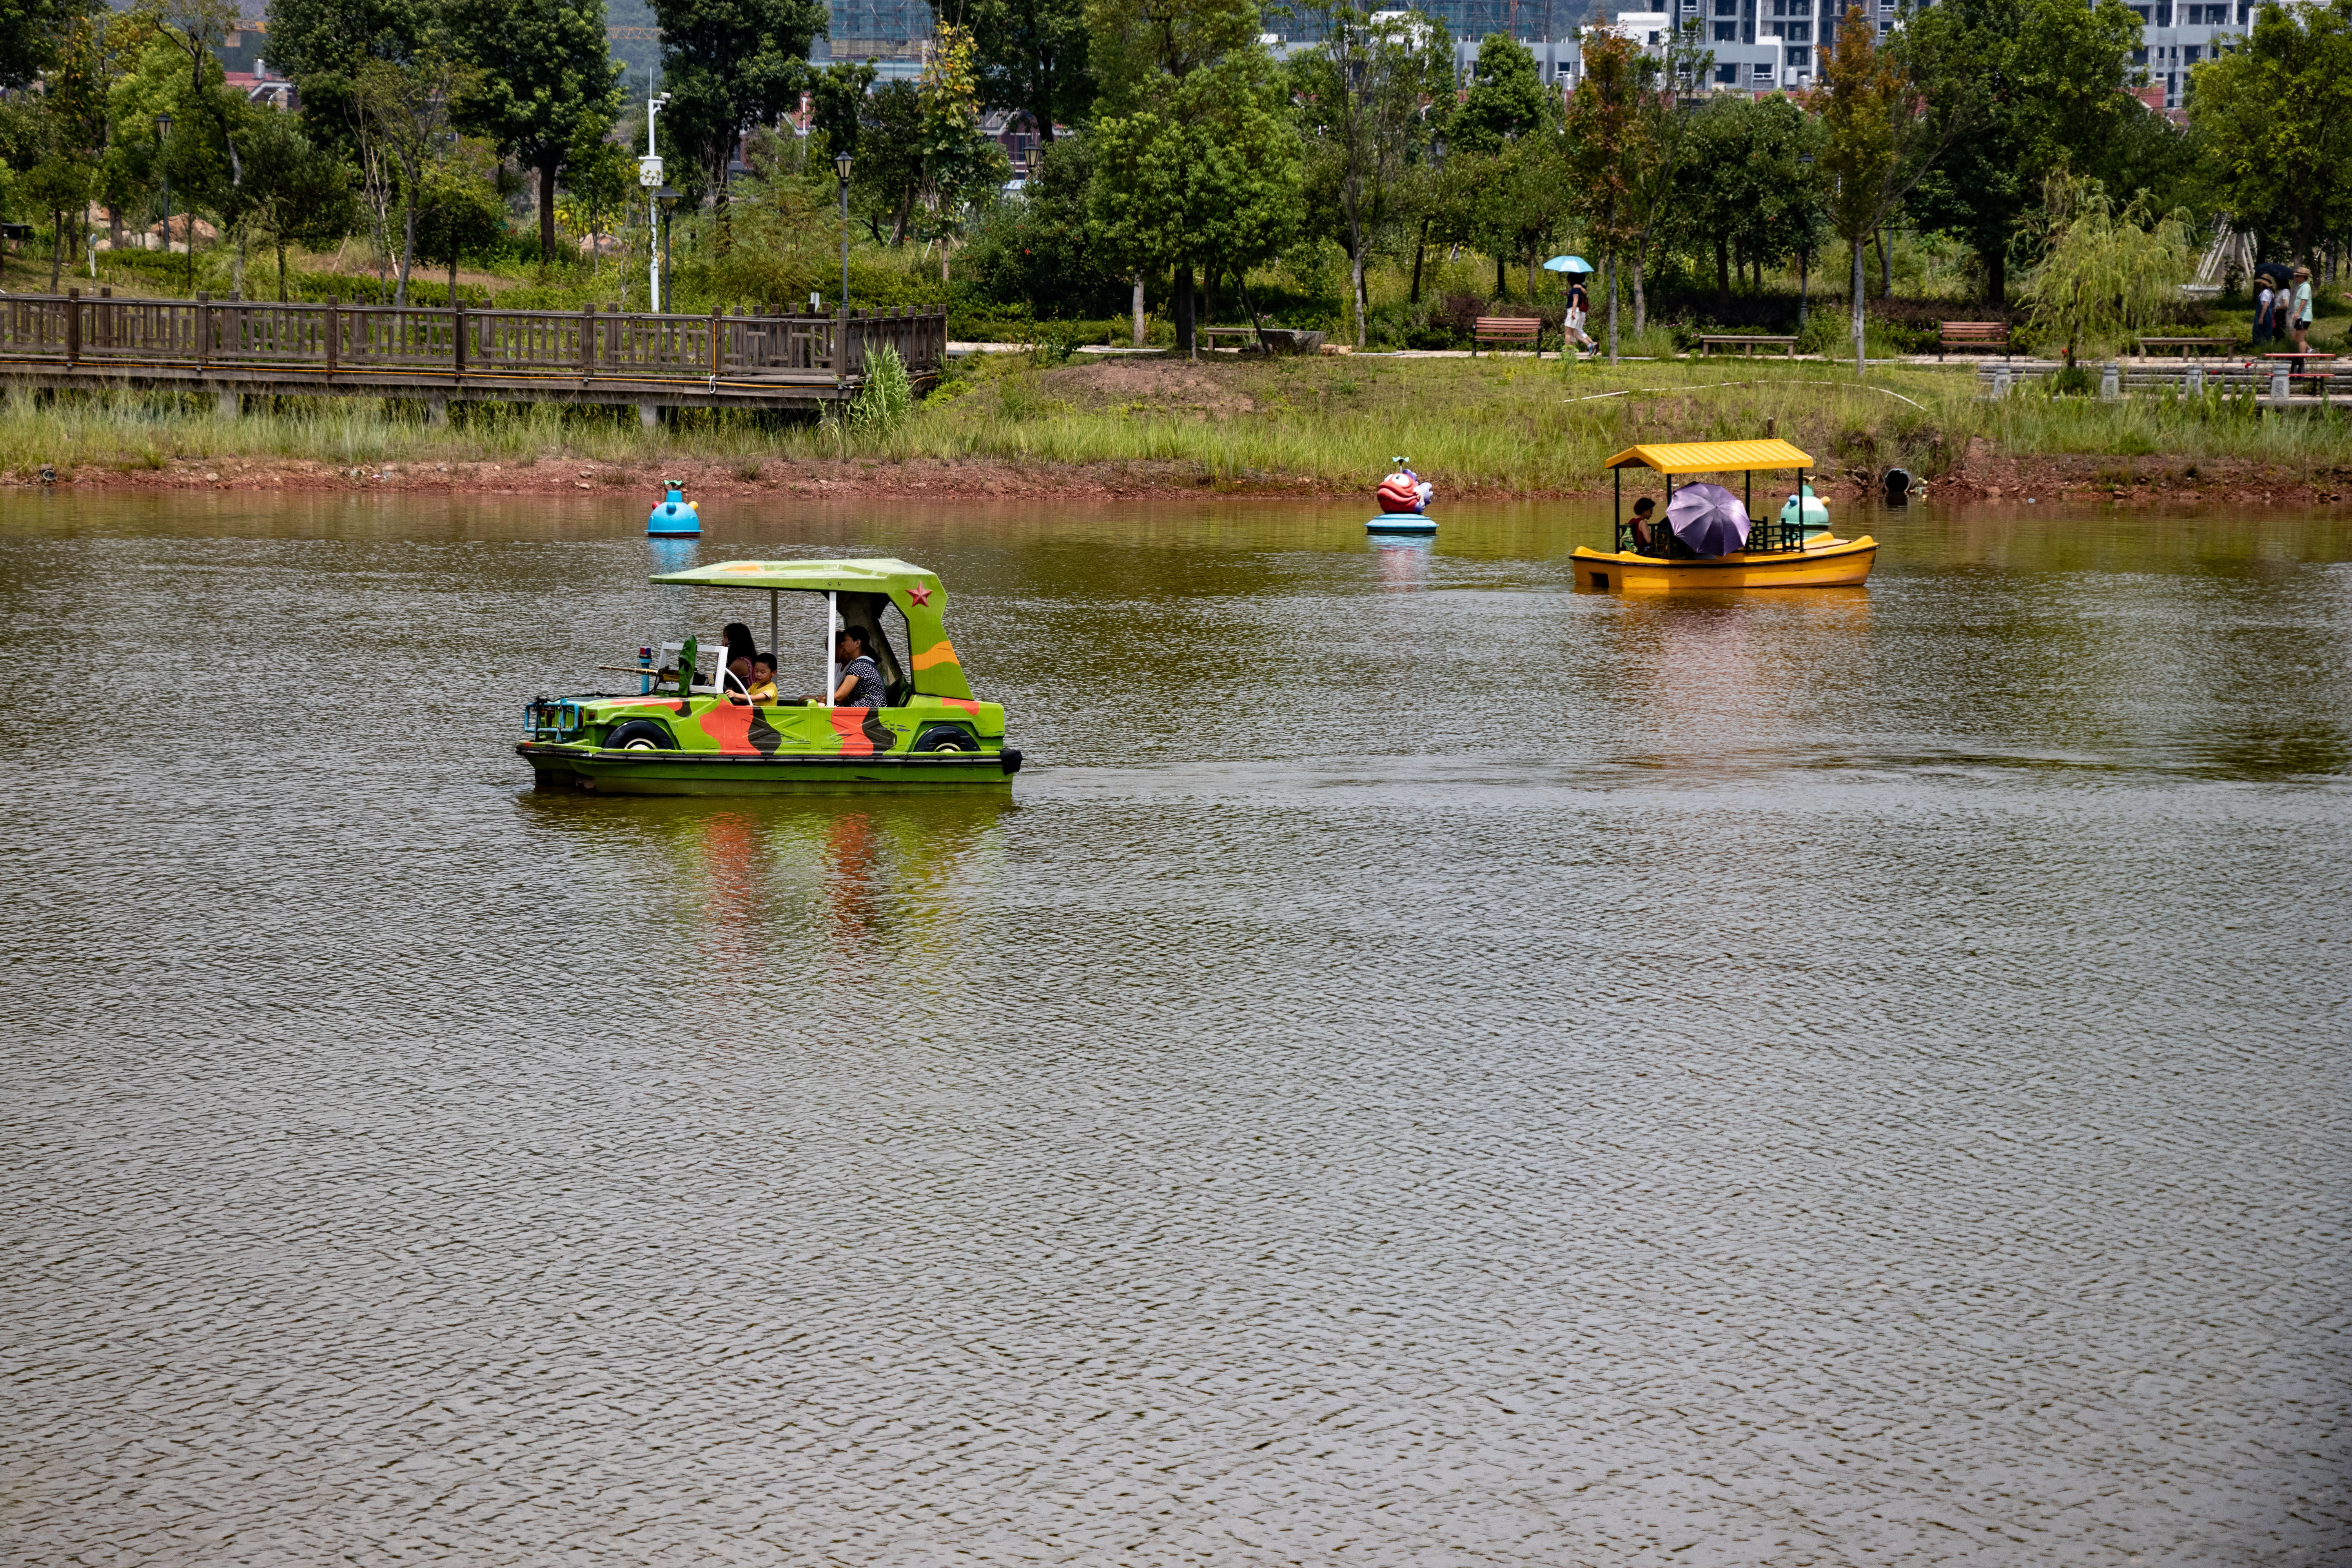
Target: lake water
(1426, 1068)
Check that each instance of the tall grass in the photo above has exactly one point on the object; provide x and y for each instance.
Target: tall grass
(1492, 425)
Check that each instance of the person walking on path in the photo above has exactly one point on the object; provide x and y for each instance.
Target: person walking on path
(2263, 299)
(1579, 307)
(2298, 310)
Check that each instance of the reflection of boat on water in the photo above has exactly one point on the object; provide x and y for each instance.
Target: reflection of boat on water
(1706, 539)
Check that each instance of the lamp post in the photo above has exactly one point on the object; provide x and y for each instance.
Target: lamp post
(840, 344)
(668, 199)
(163, 135)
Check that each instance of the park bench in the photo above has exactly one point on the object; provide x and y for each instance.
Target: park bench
(1972, 335)
(2148, 347)
(1744, 342)
(1527, 330)
(1243, 336)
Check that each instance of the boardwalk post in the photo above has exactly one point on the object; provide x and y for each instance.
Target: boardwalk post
(203, 329)
(73, 326)
(458, 338)
(587, 340)
(716, 327)
(333, 332)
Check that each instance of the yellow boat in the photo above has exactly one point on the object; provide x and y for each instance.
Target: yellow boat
(1789, 553)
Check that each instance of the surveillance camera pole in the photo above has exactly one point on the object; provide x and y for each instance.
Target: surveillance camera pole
(649, 177)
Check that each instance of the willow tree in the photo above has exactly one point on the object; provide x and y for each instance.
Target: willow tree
(2109, 271)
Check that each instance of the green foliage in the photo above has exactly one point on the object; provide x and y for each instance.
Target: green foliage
(2109, 271)
(881, 405)
(1743, 191)
(1038, 251)
(727, 64)
(30, 31)
(1368, 141)
(1032, 56)
(321, 45)
(1138, 46)
(2277, 116)
(556, 85)
(2038, 84)
(1506, 99)
(1202, 173)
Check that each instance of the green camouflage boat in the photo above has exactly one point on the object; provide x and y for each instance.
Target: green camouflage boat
(682, 734)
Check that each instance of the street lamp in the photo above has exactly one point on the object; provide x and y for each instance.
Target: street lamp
(841, 166)
(668, 200)
(163, 134)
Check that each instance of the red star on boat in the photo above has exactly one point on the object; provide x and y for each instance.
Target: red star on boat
(919, 594)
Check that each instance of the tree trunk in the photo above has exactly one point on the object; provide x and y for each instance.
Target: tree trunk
(1996, 261)
(1886, 268)
(1139, 310)
(1609, 264)
(1184, 303)
(114, 227)
(1502, 284)
(1722, 273)
(281, 268)
(1419, 245)
(547, 210)
(1640, 304)
(1859, 368)
(408, 243)
(1356, 285)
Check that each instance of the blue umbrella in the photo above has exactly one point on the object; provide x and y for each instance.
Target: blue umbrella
(1568, 264)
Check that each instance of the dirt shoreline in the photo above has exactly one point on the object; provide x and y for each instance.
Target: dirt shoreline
(1982, 476)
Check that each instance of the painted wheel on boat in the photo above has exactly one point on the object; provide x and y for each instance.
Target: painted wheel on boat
(946, 738)
(640, 735)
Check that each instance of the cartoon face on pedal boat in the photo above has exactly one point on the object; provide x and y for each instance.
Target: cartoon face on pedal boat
(886, 707)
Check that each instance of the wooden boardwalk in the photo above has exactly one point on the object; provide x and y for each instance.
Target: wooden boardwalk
(233, 348)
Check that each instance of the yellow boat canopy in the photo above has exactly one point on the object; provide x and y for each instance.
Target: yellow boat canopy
(1712, 457)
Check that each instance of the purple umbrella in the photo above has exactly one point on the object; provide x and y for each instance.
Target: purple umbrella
(1709, 518)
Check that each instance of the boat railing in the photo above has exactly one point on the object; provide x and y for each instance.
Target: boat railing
(1767, 536)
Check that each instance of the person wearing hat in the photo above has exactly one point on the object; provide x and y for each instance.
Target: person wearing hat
(2298, 318)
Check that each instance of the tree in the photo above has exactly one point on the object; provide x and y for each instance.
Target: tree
(887, 179)
(2276, 115)
(837, 97)
(1662, 134)
(2108, 272)
(30, 31)
(549, 80)
(299, 190)
(1363, 112)
(1195, 162)
(1743, 190)
(320, 44)
(727, 64)
(1605, 136)
(405, 134)
(2038, 84)
(1032, 56)
(959, 166)
(1205, 175)
(1883, 135)
(1505, 100)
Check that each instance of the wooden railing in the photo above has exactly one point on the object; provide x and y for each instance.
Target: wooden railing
(334, 337)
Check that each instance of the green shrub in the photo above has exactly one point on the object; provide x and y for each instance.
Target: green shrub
(882, 405)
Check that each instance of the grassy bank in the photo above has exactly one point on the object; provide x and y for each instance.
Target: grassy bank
(1503, 427)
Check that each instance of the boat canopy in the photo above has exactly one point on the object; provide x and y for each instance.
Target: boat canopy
(857, 591)
(1708, 457)
(891, 577)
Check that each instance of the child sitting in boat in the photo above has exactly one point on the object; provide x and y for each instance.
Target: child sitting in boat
(1404, 490)
(764, 679)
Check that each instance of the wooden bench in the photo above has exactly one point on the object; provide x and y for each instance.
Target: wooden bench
(1748, 342)
(1972, 335)
(1209, 335)
(2148, 346)
(1527, 330)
